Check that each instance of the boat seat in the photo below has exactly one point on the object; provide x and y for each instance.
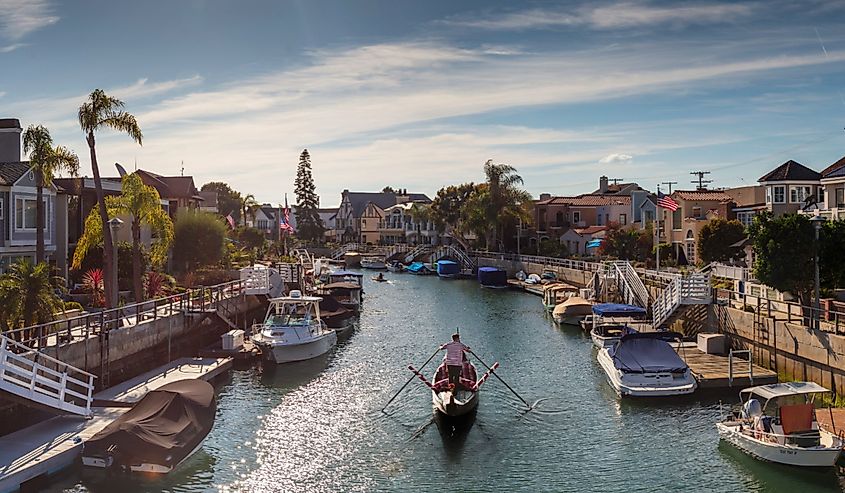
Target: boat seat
(797, 423)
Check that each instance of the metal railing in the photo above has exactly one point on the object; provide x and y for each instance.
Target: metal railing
(340, 252)
(832, 321)
(59, 333)
(630, 284)
(666, 302)
(731, 365)
(39, 378)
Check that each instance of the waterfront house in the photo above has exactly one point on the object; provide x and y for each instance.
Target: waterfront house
(576, 239)
(831, 203)
(17, 206)
(748, 202)
(790, 188)
(208, 202)
(555, 215)
(268, 218)
(695, 209)
(328, 215)
(178, 191)
(360, 213)
(401, 226)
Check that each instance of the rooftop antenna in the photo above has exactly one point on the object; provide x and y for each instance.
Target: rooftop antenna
(615, 180)
(702, 183)
(183, 167)
(667, 183)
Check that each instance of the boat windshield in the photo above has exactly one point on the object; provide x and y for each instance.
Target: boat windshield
(289, 319)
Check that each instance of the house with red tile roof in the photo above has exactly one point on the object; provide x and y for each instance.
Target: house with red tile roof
(695, 208)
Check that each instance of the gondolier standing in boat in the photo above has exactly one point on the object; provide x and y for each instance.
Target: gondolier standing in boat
(455, 357)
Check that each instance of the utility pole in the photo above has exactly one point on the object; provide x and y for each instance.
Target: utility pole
(702, 183)
(668, 184)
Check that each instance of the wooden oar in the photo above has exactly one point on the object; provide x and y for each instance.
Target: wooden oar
(410, 379)
(500, 379)
(485, 376)
(422, 378)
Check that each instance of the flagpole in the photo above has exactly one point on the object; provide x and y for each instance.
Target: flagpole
(657, 221)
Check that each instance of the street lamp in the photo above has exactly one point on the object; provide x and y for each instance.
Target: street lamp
(817, 226)
(114, 225)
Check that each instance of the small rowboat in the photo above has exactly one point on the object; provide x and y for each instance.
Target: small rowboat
(453, 400)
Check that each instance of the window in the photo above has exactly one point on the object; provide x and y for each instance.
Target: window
(821, 196)
(576, 217)
(623, 219)
(798, 195)
(677, 217)
(696, 212)
(768, 195)
(559, 219)
(779, 194)
(746, 218)
(1, 209)
(690, 247)
(840, 197)
(649, 216)
(25, 217)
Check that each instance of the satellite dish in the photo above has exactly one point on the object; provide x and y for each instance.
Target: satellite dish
(120, 170)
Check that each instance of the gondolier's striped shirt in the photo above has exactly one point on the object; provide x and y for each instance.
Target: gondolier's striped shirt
(455, 353)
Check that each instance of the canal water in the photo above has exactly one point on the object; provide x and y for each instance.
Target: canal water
(317, 426)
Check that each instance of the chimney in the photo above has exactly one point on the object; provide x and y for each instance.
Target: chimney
(10, 140)
(545, 196)
(602, 184)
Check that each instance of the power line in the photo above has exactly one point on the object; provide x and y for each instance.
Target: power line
(702, 183)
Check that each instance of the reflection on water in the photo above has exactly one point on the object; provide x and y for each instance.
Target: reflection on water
(318, 426)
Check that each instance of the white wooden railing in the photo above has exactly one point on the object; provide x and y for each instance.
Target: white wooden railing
(629, 283)
(343, 250)
(454, 252)
(417, 251)
(666, 302)
(36, 377)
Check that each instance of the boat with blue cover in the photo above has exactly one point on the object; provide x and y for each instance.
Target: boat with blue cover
(646, 365)
(611, 321)
(448, 269)
(493, 277)
(418, 268)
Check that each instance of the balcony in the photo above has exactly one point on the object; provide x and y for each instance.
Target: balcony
(832, 214)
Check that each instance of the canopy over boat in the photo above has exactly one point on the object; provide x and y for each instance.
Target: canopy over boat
(492, 276)
(341, 285)
(490, 269)
(559, 286)
(645, 353)
(574, 305)
(448, 268)
(618, 310)
(785, 389)
(344, 273)
(162, 428)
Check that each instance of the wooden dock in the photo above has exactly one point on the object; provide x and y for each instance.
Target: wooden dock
(246, 352)
(527, 287)
(34, 453)
(712, 371)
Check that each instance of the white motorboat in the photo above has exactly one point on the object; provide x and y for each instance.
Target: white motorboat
(611, 321)
(375, 263)
(556, 293)
(792, 435)
(395, 266)
(572, 311)
(646, 365)
(292, 329)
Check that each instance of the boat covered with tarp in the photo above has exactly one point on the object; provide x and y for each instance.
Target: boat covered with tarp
(618, 310)
(417, 268)
(492, 277)
(160, 431)
(448, 268)
(611, 321)
(646, 365)
(572, 311)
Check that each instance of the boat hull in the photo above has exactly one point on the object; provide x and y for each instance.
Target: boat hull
(777, 453)
(652, 384)
(288, 353)
(460, 406)
(574, 320)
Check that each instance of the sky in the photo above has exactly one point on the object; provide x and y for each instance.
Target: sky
(419, 94)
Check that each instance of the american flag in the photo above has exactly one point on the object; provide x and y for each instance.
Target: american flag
(230, 220)
(284, 220)
(666, 202)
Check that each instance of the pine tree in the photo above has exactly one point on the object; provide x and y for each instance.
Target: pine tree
(309, 224)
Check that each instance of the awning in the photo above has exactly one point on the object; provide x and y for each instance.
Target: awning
(594, 243)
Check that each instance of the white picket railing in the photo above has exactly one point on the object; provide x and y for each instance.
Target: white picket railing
(417, 251)
(454, 252)
(343, 250)
(666, 302)
(36, 377)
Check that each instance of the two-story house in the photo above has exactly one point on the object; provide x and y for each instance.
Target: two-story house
(695, 209)
(553, 216)
(18, 206)
(748, 202)
(831, 204)
(401, 226)
(790, 188)
(360, 213)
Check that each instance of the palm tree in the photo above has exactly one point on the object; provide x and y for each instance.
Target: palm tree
(505, 198)
(98, 112)
(27, 294)
(46, 161)
(248, 206)
(143, 203)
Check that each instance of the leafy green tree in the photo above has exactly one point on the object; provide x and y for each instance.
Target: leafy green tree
(831, 261)
(46, 160)
(447, 211)
(143, 204)
(98, 112)
(27, 295)
(308, 221)
(249, 205)
(93, 259)
(552, 248)
(504, 200)
(784, 253)
(716, 240)
(228, 200)
(389, 189)
(251, 238)
(627, 243)
(198, 239)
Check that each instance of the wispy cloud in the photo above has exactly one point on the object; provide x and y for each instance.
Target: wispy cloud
(616, 158)
(12, 47)
(612, 16)
(19, 18)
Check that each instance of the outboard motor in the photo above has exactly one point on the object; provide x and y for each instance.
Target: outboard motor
(752, 409)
